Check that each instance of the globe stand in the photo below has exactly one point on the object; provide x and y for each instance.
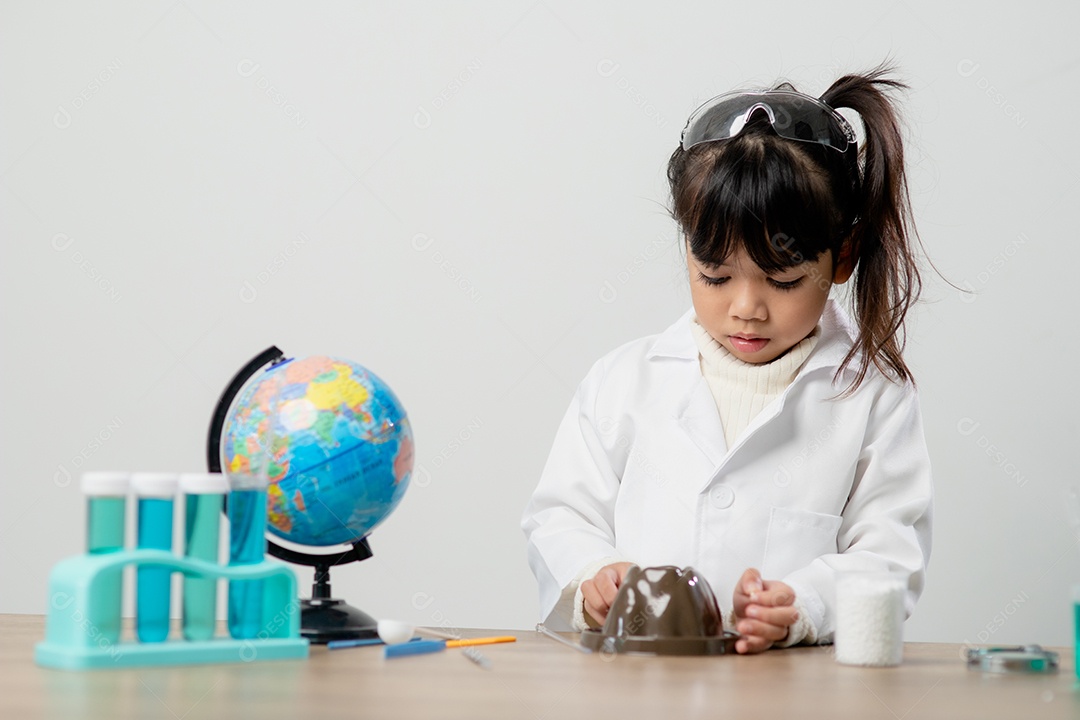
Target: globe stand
(322, 618)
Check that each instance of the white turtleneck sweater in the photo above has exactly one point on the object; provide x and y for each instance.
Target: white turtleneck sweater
(742, 389)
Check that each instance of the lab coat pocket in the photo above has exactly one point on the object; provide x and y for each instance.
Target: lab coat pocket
(796, 537)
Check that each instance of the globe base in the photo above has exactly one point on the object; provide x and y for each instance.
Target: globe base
(322, 617)
(326, 619)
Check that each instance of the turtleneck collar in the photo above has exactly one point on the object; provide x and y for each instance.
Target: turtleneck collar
(743, 389)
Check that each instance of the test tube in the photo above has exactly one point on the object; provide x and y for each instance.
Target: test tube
(1076, 629)
(106, 500)
(155, 493)
(203, 496)
(247, 546)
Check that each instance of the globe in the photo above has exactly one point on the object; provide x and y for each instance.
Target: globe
(336, 444)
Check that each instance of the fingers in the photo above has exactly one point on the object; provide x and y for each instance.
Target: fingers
(620, 570)
(764, 610)
(775, 594)
(607, 583)
(762, 630)
(749, 584)
(752, 590)
(749, 645)
(768, 592)
(758, 636)
(780, 617)
(763, 626)
(594, 601)
(599, 592)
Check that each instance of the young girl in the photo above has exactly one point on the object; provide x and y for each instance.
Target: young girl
(765, 438)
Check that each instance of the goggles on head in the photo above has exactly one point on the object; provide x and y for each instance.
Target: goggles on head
(793, 115)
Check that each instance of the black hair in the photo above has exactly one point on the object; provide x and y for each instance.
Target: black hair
(786, 202)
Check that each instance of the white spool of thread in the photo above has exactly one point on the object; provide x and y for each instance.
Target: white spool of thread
(870, 618)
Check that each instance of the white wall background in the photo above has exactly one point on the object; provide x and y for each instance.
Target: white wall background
(469, 199)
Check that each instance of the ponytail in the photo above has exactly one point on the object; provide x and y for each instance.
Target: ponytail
(887, 281)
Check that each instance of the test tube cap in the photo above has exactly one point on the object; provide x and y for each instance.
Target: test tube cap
(246, 481)
(106, 483)
(203, 483)
(154, 484)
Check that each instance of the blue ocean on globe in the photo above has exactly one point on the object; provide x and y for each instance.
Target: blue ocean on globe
(337, 444)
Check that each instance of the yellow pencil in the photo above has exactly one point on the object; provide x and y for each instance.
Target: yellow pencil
(480, 641)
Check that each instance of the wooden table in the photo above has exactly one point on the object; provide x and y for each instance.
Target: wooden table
(535, 677)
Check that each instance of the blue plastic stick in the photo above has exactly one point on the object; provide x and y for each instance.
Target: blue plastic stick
(339, 644)
(420, 647)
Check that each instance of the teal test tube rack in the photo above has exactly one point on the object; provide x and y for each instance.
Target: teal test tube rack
(84, 606)
(73, 640)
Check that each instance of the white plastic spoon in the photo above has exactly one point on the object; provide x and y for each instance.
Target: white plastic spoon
(395, 632)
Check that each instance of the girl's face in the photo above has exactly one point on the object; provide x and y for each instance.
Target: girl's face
(755, 316)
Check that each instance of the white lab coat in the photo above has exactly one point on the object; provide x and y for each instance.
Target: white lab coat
(639, 470)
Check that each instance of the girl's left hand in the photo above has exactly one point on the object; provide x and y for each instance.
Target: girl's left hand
(763, 612)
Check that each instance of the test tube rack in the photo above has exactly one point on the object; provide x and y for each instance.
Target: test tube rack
(73, 640)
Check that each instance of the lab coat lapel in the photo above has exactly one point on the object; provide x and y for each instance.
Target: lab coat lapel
(829, 353)
(694, 408)
(700, 420)
(696, 412)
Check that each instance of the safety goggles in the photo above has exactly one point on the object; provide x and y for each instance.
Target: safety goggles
(792, 115)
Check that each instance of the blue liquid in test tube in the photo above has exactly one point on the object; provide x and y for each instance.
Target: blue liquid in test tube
(203, 497)
(155, 493)
(1076, 630)
(106, 501)
(247, 546)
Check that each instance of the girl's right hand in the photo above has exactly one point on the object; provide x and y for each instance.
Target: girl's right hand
(599, 592)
